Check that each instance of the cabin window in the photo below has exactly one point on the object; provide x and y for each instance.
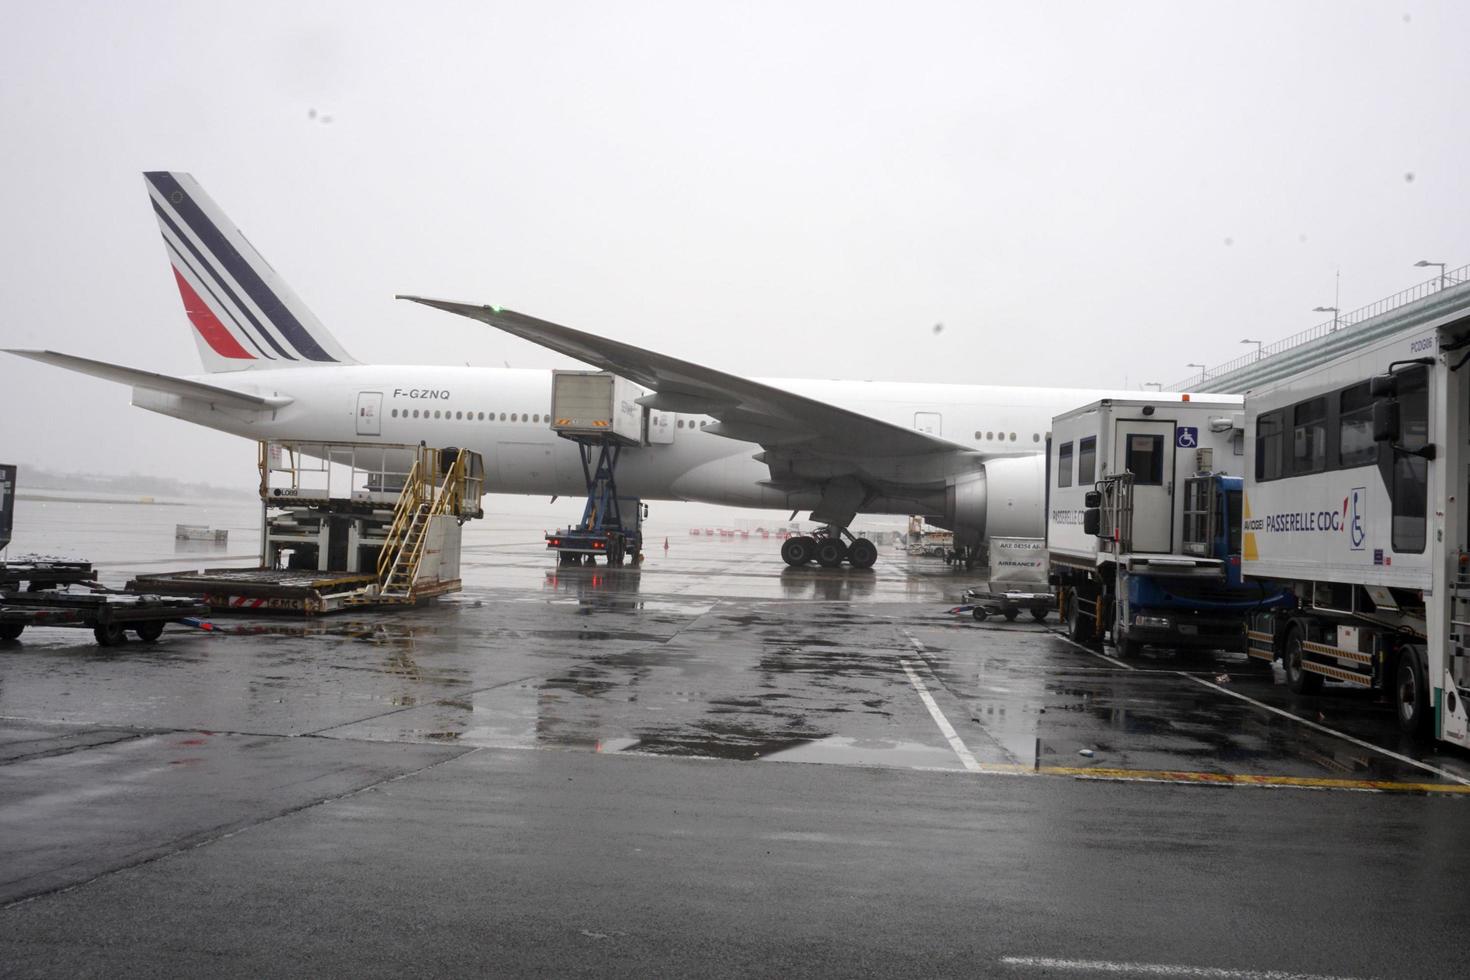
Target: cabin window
(502, 416)
(1411, 473)
(1270, 438)
(1145, 459)
(1013, 437)
(1087, 461)
(1036, 437)
(1355, 445)
(1064, 465)
(458, 415)
(394, 413)
(536, 417)
(415, 413)
(977, 436)
(1309, 436)
(990, 437)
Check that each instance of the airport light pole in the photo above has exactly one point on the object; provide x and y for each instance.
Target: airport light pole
(1201, 371)
(1425, 263)
(1259, 344)
(1328, 309)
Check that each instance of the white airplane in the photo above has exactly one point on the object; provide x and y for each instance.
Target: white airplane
(969, 457)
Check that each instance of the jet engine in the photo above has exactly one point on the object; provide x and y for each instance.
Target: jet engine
(1005, 499)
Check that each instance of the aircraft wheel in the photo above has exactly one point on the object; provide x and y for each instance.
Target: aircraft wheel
(148, 632)
(830, 552)
(11, 631)
(1411, 693)
(110, 635)
(980, 614)
(862, 554)
(798, 551)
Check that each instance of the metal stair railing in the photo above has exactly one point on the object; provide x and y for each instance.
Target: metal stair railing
(398, 563)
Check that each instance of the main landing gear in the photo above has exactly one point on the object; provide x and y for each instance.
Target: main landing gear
(827, 549)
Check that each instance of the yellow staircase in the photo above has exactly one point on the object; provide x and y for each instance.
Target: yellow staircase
(424, 497)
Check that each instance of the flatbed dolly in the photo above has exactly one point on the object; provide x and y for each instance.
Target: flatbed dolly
(111, 615)
(984, 604)
(65, 593)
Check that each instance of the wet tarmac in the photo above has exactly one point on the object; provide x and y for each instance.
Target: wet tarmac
(709, 765)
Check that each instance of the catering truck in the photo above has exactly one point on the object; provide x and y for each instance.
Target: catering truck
(1356, 503)
(1143, 524)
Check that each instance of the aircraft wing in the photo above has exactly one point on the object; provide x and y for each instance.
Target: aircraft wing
(197, 390)
(746, 410)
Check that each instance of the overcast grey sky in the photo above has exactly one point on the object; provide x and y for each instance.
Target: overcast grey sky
(1084, 194)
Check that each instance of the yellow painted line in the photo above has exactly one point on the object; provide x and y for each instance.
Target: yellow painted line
(1252, 779)
(1219, 778)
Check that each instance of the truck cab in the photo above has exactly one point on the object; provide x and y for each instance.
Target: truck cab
(1143, 523)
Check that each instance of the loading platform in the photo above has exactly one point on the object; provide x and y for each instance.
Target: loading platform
(346, 526)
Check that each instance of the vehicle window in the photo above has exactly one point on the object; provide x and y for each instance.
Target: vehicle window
(1087, 461)
(1355, 445)
(1145, 459)
(1411, 473)
(1309, 436)
(1064, 465)
(1269, 442)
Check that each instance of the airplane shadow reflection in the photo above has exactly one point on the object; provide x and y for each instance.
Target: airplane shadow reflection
(599, 587)
(830, 584)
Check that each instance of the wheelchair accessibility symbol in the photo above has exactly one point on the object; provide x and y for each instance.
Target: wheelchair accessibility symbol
(1186, 437)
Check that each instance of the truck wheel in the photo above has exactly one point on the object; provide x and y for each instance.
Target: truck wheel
(110, 635)
(1010, 614)
(1128, 647)
(1039, 615)
(11, 631)
(1411, 693)
(1080, 627)
(980, 614)
(148, 632)
(1298, 678)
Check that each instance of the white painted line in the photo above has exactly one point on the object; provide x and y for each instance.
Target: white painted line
(1158, 969)
(945, 728)
(1329, 731)
(1095, 653)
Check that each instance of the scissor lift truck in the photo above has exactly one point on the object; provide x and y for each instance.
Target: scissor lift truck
(1357, 502)
(600, 413)
(1143, 538)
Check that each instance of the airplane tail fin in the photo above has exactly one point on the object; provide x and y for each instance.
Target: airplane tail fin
(244, 315)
